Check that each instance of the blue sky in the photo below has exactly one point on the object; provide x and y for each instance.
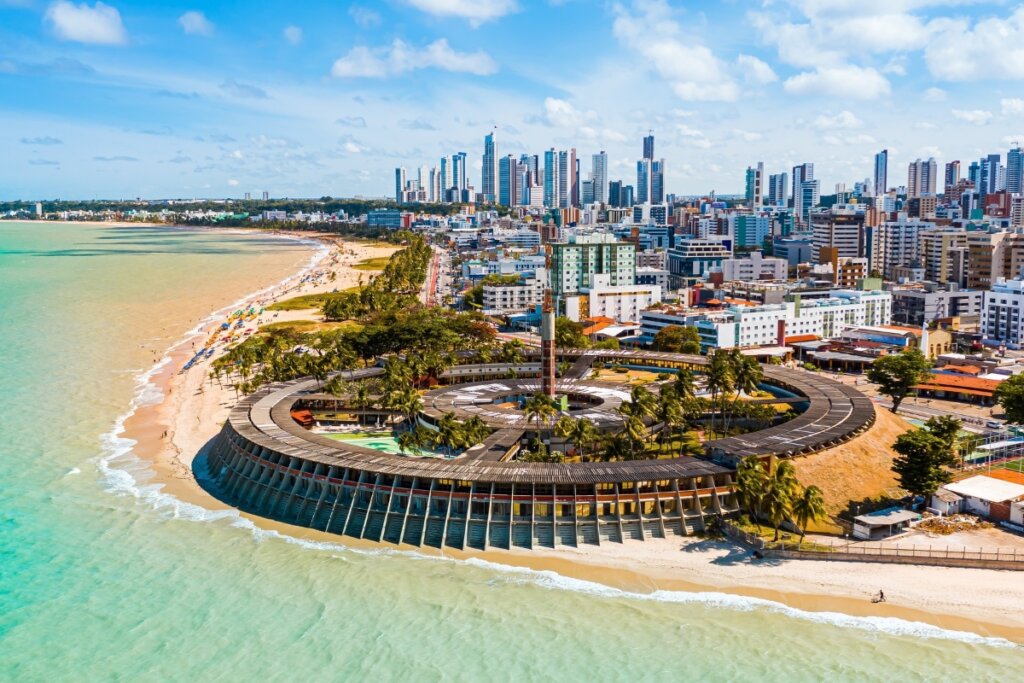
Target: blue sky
(182, 99)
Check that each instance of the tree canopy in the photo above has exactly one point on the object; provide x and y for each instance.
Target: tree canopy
(923, 461)
(1010, 395)
(898, 373)
(677, 339)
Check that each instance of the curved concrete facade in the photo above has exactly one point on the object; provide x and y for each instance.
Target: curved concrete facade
(265, 463)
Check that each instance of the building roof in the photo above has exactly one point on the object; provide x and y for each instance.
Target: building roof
(961, 384)
(986, 488)
(797, 338)
(947, 496)
(887, 517)
(961, 369)
(1007, 475)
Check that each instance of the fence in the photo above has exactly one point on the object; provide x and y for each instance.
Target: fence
(847, 551)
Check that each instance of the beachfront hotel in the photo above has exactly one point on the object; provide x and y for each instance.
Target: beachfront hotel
(267, 460)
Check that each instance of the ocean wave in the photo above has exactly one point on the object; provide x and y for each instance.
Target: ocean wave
(891, 626)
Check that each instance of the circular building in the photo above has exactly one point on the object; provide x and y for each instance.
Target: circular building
(267, 463)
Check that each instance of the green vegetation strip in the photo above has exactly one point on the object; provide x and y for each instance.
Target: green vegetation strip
(307, 301)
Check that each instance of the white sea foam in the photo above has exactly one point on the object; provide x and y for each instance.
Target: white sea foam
(882, 625)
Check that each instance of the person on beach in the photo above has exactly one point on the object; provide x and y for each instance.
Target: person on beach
(881, 596)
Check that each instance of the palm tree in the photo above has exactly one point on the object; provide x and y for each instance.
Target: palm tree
(751, 480)
(409, 403)
(645, 402)
(809, 507)
(669, 413)
(779, 492)
(539, 407)
(685, 385)
(747, 375)
(720, 381)
(449, 431)
(584, 433)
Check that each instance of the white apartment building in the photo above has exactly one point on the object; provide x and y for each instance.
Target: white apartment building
(768, 325)
(518, 298)
(1001, 312)
(895, 243)
(943, 252)
(622, 303)
(756, 267)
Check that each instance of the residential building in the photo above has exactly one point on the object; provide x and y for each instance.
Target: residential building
(986, 258)
(749, 230)
(939, 252)
(653, 276)
(805, 192)
(778, 190)
(622, 303)
(599, 176)
(840, 226)
(693, 259)
(755, 186)
(921, 177)
(922, 303)
(951, 180)
(651, 259)
(1015, 171)
(755, 267)
(881, 173)
(1002, 314)
(574, 264)
(489, 172)
(793, 250)
(894, 243)
(507, 299)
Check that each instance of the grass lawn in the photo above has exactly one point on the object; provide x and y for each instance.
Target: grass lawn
(307, 301)
(628, 377)
(306, 326)
(373, 263)
(1015, 465)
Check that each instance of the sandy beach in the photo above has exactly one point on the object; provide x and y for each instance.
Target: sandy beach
(988, 602)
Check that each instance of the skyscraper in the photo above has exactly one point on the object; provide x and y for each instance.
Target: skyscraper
(952, 177)
(881, 173)
(643, 181)
(400, 185)
(599, 174)
(1015, 170)
(615, 193)
(508, 181)
(649, 146)
(657, 181)
(802, 174)
(988, 181)
(778, 189)
(755, 185)
(489, 172)
(551, 179)
(921, 177)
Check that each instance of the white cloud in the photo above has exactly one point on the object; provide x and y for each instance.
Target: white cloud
(992, 49)
(691, 69)
(935, 95)
(293, 34)
(365, 17)
(233, 183)
(692, 137)
(844, 120)
(979, 117)
(476, 11)
(849, 82)
(401, 57)
(196, 24)
(99, 24)
(563, 114)
(1012, 106)
(746, 135)
(755, 70)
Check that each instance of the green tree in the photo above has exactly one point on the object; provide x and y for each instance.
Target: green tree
(808, 507)
(1010, 395)
(538, 408)
(751, 480)
(922, 462)
(677, 339)
(779, 492)
(720, 382)
(898, 373)
(569, 334)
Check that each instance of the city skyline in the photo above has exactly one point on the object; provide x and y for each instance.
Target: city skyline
(120, 100)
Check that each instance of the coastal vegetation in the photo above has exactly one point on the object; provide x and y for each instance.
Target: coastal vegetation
(1010, 395)
(677, 339)
(926, 455)
(770, 491)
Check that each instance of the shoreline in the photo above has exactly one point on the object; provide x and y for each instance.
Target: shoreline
(166, 439)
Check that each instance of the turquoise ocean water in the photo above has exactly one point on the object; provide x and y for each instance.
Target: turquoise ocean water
(102, 577)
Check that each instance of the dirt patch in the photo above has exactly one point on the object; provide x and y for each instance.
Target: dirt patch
(856, 470)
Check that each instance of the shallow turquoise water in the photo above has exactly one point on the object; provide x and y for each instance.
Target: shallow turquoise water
(102, 577)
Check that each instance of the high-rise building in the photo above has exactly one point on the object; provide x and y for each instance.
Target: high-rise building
(988, 180)
(248, 196)
(658, 182)
(881, 173)
(567, 187)
(950, 179)
(615, 194)
(840, 227)
(778, 189)
(804, 197)
(643, 181)
(574, 265)
(587, 191)
(266, 196)
(399, 185)
(459, 180)
(599, 176)
(1015, 170)
(445, 177)
(508, 181)
(649, 146)
(921, 177)
(489, 172)
(551, 178)
(755, 185)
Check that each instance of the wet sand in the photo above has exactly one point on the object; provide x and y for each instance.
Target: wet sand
(988, 602)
